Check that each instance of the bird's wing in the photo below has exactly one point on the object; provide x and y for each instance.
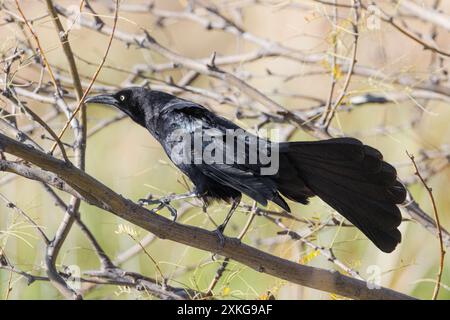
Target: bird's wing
(198, 112)
(240, 175)
(196, 117)
(244, 181)
(259, 188)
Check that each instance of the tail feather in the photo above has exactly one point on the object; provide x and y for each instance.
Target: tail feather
(378, 222)
(387, 215)
(355, 182)
(352, 178)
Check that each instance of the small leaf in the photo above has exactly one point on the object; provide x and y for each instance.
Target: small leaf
(309, 257)
(226, 291)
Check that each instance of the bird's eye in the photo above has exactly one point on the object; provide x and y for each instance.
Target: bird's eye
(122, 98)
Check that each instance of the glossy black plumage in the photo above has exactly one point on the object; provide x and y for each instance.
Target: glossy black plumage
(348, 175)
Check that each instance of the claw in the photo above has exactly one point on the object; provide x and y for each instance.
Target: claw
(173, 212)
(155, 210)
(220, 236)
(161, 204)
(146, 202)
(165, 202)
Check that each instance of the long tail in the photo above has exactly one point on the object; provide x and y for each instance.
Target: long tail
(352, 178)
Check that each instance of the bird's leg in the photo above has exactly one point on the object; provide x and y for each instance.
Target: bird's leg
(220, 229)
(167, 199)
(165, 202)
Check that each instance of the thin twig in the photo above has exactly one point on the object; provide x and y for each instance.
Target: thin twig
(223, 266)
(41, 51)
(39, 229)
(330, 113)
(438, 223)
(94, 77)
(333, 72)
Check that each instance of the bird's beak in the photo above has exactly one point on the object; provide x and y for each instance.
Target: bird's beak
(103, 99)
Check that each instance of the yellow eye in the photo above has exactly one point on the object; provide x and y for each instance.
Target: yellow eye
(122, 98)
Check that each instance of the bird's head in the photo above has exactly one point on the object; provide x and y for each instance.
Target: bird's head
(132, 101)
(141, 104)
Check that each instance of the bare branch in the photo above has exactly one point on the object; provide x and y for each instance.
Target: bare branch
(206, 240)
(439, 230)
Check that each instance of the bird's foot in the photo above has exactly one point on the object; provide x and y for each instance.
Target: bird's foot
(220, 236)
(165, 202)
(173, 212)
(162, 203)
(150, 201)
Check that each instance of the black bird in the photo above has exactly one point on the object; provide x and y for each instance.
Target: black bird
(349, 176)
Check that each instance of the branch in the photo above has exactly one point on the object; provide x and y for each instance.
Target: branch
(439, 230)
(330, 113)
(106, 199)
(433, 16)
(427, 46)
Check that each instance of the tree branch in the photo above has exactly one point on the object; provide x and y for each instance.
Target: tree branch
(196, 237)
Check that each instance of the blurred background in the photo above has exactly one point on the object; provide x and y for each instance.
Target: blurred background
(396, 99)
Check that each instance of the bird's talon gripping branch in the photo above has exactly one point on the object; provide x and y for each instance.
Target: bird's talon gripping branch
(142, 202)
(147, 202)
(167, 199)
(166, 202)
(162, 203)
(158, 208)
(173, 212)
(150, 200)
(220, 237)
